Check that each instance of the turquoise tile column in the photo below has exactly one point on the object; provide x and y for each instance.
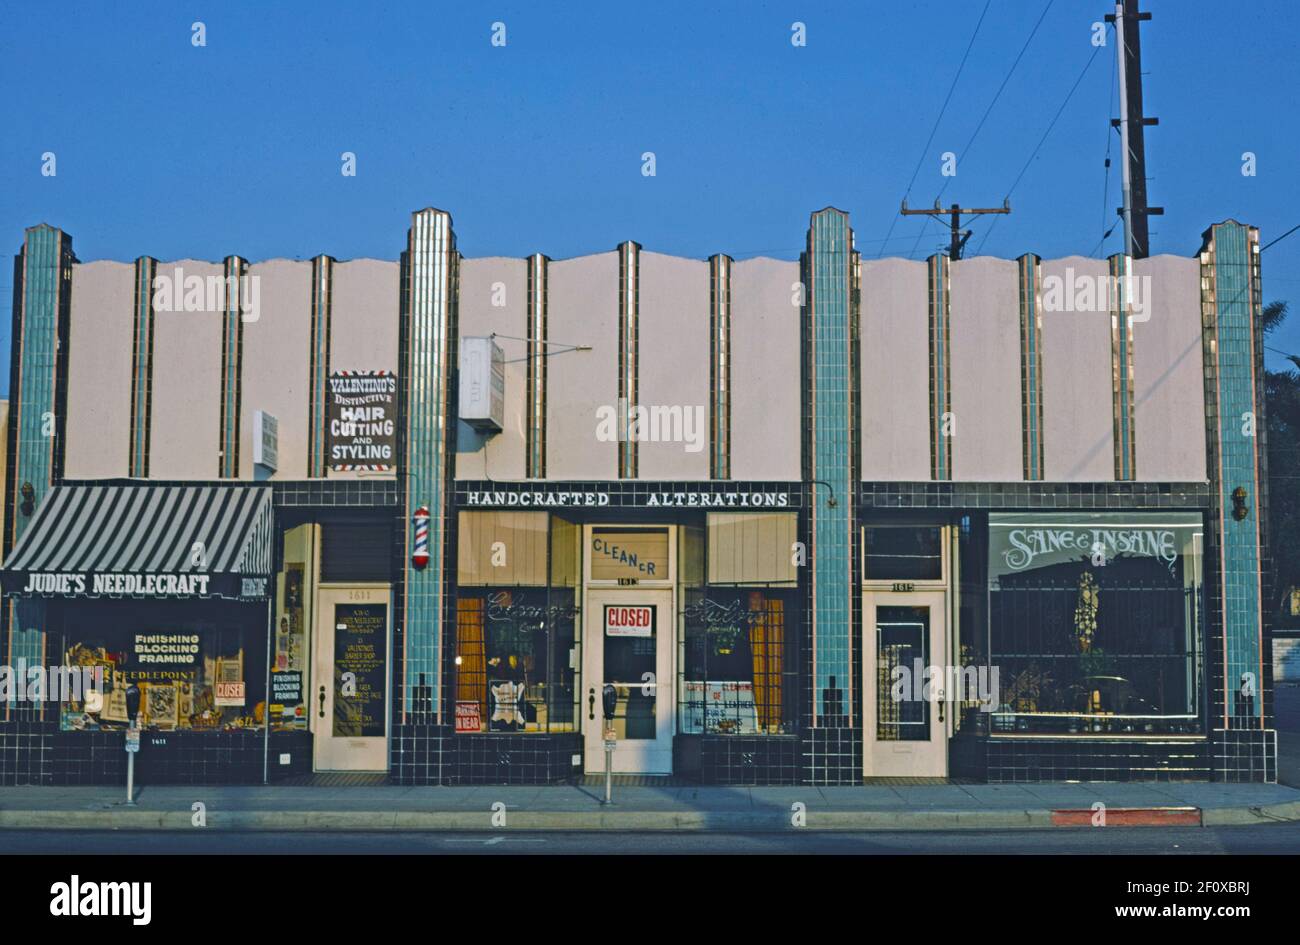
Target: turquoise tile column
(1031, 366)
(1230, 296)
(322, 307)
(1121, 361)
(43, 298)
(142, 327)
(940, 309)
(429, 310)
(232, 362)
(830, 330)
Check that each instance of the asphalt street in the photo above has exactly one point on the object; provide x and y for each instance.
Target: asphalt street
(1271, 838)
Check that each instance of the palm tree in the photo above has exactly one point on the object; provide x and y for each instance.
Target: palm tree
(1274, 315)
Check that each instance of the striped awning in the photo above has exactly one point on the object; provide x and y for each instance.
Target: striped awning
(145, 541)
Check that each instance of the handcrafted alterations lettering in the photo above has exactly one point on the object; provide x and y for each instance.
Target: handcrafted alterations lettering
(721, 500)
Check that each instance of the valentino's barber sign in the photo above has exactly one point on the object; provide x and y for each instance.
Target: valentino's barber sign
(362, 420)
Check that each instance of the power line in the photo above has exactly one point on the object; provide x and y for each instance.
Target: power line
(1280, 238)
(998, 94)
(926, 150)
(1042, 140)
(965, 151)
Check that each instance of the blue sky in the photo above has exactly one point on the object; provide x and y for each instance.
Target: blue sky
(175, 151)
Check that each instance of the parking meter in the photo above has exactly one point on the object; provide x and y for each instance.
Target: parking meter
(132, 739)
(133, 703)
(609, 702)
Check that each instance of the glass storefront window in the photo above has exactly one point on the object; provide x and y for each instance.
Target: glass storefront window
(738, 667)
(738, 677)
(194, 674)
(294, 600)
(515, 660)
(1095, 622)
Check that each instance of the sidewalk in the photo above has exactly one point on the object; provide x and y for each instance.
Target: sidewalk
(578, 807)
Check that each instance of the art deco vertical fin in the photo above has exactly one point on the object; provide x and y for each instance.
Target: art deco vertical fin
(1031, 365)
(1121, 356)
(830, 463)
(322, 307)
(430, 296)
(940, 369)
(535, 447)
(1230, 313)
(720, 366)
(232, 358)
(142, 330)
(629, 311)
(38, 403)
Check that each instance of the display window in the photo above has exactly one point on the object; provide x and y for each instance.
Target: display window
(1095, 623)
(199, 668)
(740, 615)
(290, 653)
(516, 642)
(738, 676)
(515, 660)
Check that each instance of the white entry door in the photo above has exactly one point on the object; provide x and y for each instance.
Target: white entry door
(628, 643)
(908, 713)
(348, 703)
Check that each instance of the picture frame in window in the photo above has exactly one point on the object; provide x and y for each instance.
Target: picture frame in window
(161, 704)
(115, 706)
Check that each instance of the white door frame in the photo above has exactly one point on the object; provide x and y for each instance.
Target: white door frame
(633, 756)
(330, 753)
(920, 758)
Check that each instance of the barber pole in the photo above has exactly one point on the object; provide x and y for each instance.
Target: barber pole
(420, 557)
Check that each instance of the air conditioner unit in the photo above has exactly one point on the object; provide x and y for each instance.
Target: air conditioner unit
(482, 384)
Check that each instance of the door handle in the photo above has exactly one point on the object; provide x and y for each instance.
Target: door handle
(941, 705)
(591, 704)
(322, 702)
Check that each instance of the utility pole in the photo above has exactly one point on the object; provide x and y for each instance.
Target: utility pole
(1131, 123)
(954, 214)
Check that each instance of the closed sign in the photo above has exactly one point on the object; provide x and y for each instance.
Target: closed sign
(625, 621)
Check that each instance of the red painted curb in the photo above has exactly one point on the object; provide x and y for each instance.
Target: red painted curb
(1128, 817)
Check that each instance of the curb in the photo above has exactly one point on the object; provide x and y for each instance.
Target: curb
(770, 820)
(1129, 817)
(775, 820)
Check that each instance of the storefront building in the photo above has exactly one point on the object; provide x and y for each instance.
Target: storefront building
(815, 521)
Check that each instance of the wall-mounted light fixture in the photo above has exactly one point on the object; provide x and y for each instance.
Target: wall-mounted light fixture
(1239, 507)
(830, 501)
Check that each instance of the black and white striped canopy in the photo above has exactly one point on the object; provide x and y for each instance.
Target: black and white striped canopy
(149, 541)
